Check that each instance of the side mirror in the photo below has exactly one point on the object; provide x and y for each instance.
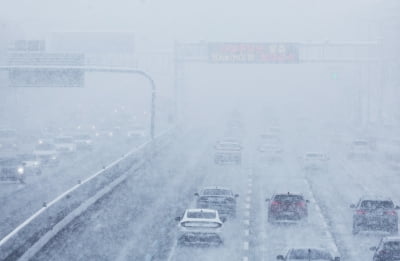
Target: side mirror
(178, 219)
(397, 207)
(307, 201)
(373, 248)
(23, 163)
(280, 257)
(223, 219)
(352, 206)
(196, 194)
(236, 195)
(267, 199)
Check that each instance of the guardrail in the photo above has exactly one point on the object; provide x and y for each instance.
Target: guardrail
(30, 236)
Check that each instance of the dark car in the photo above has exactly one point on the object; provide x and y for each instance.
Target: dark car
(375, 214)
(11, 169)
(218, 198)
(287, 207)
(387, 250)
(307, 254)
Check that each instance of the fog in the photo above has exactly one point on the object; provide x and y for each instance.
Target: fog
(263, 99)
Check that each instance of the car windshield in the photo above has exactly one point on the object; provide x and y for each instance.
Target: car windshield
(82, 137)
(45, 146)
(27, 157)
(285, 197)
(201, 214)
(392, 246)
(376, 204)
(63, 140)
(309, 254)
(9, 161)
(7, 134)
(216, 192)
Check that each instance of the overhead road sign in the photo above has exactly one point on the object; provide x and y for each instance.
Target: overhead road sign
(253, 53)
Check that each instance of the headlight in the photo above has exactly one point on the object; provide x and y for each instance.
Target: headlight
(97, 134)
(111, 134)
(54, 158)
(88, 142)
(36, 163)
(20, 170)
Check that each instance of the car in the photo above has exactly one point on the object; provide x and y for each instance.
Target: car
(308, 254)
(388, 249)
(270, 153)
(65, 144)
(11, 169)
(137, 132)
(8, 140)
(360, 149)
(228, 151)
(104, 133)
(315, 161)
(219, 198)
(290, 207)
(372, 213)
(46, 153)
(83, 141)
(392, 154)
(31, 163)
(200, 227)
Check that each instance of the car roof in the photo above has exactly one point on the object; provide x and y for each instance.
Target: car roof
(288, 193)
(375, 198)
(201, 210)
(215, 187)
(391, 238)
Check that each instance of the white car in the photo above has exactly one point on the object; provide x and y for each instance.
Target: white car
(31, 163)
(315, 161)
(307, 254)
(200, 227)
(65, 144)
(46, 153)
(360, 149)
(228, 151)
(83, 141)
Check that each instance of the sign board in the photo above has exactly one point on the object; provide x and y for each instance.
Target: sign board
(46, 77)
(253, 53)
(45, 70)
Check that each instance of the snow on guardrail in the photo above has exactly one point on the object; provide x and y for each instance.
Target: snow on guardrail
(26, 239)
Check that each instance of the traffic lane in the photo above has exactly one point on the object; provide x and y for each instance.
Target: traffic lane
(128, 221)
(25, 200)
(235, 178)
(343, 185)
(285, 177)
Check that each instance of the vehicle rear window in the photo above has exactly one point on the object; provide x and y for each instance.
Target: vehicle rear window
(196, 214)
(376, 204)
(312, 254)
(285, 197)
(394, 245)
(216, 192)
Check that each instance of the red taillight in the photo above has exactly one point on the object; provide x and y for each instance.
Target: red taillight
(391, 213)
(360, 212)
(275, 203)
(300, 204)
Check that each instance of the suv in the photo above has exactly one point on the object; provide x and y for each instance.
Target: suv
(221, 199)
(228, 151)
(375, 214)
(387, 250)
(200, 227)
(287, 207)
(360, 149)
(83, 141)
(65, 144)
(11, 169)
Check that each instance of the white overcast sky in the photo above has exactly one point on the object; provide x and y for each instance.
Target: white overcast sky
(251, 20)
